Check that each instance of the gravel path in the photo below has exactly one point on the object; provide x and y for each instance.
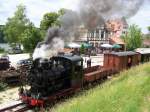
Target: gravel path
(8, 95)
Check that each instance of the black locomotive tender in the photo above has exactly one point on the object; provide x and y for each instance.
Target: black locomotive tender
(63, 75)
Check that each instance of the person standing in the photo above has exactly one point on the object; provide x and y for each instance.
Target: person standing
(89, 62)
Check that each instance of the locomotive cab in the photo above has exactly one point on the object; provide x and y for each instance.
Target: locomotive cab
(74, 67)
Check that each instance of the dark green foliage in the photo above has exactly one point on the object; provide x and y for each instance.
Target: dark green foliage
(49, 20)
(82, 49)
(148, 28)
(2, 34)
(61, 11)
(31, 37)
(133, 38)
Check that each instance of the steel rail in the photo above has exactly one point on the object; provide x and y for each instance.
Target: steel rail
(15, 106)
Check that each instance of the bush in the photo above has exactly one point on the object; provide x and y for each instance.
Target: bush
(82, 49)
(2, 50)
(133, 38)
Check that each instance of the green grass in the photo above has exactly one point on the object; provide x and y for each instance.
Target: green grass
(127, 92)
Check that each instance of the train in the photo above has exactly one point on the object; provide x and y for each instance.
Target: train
(63, 75)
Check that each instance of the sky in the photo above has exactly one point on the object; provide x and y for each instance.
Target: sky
(35, 9)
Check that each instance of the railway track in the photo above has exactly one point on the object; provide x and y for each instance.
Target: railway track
(15, 107)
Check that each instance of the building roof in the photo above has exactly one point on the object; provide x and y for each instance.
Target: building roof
(143, 50)
(116, 24)
(126, 53)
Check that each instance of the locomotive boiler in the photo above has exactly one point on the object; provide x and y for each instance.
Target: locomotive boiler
(47, 77)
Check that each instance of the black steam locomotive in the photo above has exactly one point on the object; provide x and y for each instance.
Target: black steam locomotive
(49, 77)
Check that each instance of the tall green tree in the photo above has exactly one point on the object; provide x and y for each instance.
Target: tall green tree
(49, 20)
(16, 25)
(148, 29)
(82, 49)
(133, 38)
(31, 37)
(2, 34)
(62, 11)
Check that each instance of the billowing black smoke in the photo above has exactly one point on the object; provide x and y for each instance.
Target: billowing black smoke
(56, 36)
(69, 23)
(95, 12)
(92, 13)
(51, 33)
(51, 45)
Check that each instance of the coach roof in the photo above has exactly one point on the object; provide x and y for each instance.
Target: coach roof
(73, 58)
(126, 53)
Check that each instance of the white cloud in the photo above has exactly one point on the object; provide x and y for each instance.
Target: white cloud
(142, 18)
(35, 9)
(7, 9)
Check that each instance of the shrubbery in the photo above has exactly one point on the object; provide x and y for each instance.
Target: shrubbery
(2, 50)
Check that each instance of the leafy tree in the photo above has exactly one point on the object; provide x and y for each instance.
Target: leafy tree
(82, 49)
(62, 11)
(2, 34)
(133, 38)
(16, 25)
(148, 28)
(49, 20)
(31, 37)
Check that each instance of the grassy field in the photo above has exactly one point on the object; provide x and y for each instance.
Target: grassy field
(127, 92)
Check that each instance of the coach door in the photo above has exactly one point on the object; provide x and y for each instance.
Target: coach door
(129, 61)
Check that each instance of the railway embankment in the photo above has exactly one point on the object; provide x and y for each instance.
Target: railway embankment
(128, 91)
